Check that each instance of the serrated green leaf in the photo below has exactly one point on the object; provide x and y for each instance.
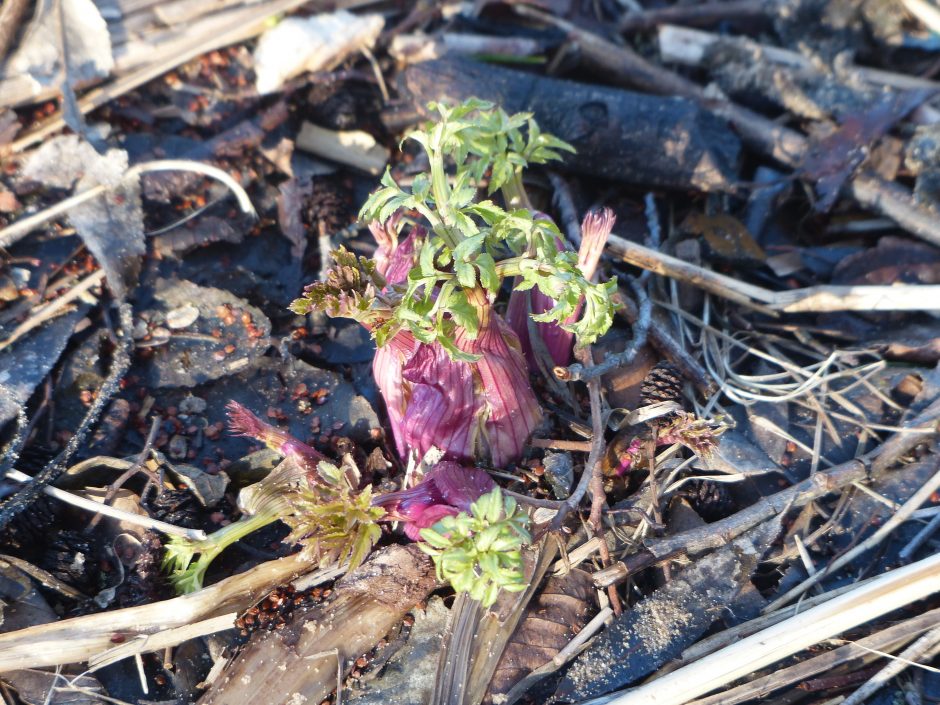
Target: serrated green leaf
(490, 595)
(421, 187)
(468, 248)
(485, 538)
(455, 353)
(434, 539)
(466, 274)
(486, 267)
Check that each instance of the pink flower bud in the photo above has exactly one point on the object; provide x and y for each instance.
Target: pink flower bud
(480, 411)
(244, 423)
(446, 490)
(477, 411)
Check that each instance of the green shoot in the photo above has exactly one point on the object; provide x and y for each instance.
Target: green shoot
(479, 553)
(472, 244)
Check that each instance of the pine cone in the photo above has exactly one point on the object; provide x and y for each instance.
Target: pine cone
(663, 383)
(712, 500)
(326, 211)
(178, 507)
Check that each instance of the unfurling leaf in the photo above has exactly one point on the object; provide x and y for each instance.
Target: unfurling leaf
(478, 552)
(333, 523)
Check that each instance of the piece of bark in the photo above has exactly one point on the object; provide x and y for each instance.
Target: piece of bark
(298, 664)
(618, 134)
(704, 14)
(669, 620)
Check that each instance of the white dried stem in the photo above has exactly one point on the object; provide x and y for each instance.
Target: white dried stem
(883, 594)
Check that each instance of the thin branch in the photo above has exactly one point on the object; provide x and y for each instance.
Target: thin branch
(888, 638)
(923, 647)
(44, 313)
(120, 363)
(597, 449)
(92, 505)
(667, 345)
(552, 444)
(717, 534)
(534, 501)
(931, 528)
(564, 202)
(130, 472)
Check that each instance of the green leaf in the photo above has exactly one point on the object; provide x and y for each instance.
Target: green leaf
(488, 211)
(490, 595)
(485, 539)
(486, 267)
(468, 248)
(434, 539)
(421, 187)
(329, 472)
(466, 274)
(455, 353)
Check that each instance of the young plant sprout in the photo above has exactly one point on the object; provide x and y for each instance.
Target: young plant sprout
(328, 514)
(330, 517)
(556, 340)
(681, 428)
(244, 423)
(450, 367)
(479, 552)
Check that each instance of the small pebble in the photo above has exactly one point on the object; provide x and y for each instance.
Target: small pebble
(193, 405)
(182, 317)
(177, 448)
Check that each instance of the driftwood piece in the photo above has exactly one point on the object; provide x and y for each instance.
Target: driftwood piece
(661, 626)
(298, 664)
(138, 629)
(641, 139)
(882, 595)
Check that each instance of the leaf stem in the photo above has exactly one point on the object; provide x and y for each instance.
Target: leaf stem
(440, 188)
(514, 192)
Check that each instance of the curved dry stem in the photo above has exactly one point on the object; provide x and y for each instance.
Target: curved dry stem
(16, 231)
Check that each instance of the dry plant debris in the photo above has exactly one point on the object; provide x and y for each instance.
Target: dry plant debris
(640, 398)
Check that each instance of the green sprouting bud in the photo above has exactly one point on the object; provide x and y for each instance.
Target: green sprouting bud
(479, 553)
